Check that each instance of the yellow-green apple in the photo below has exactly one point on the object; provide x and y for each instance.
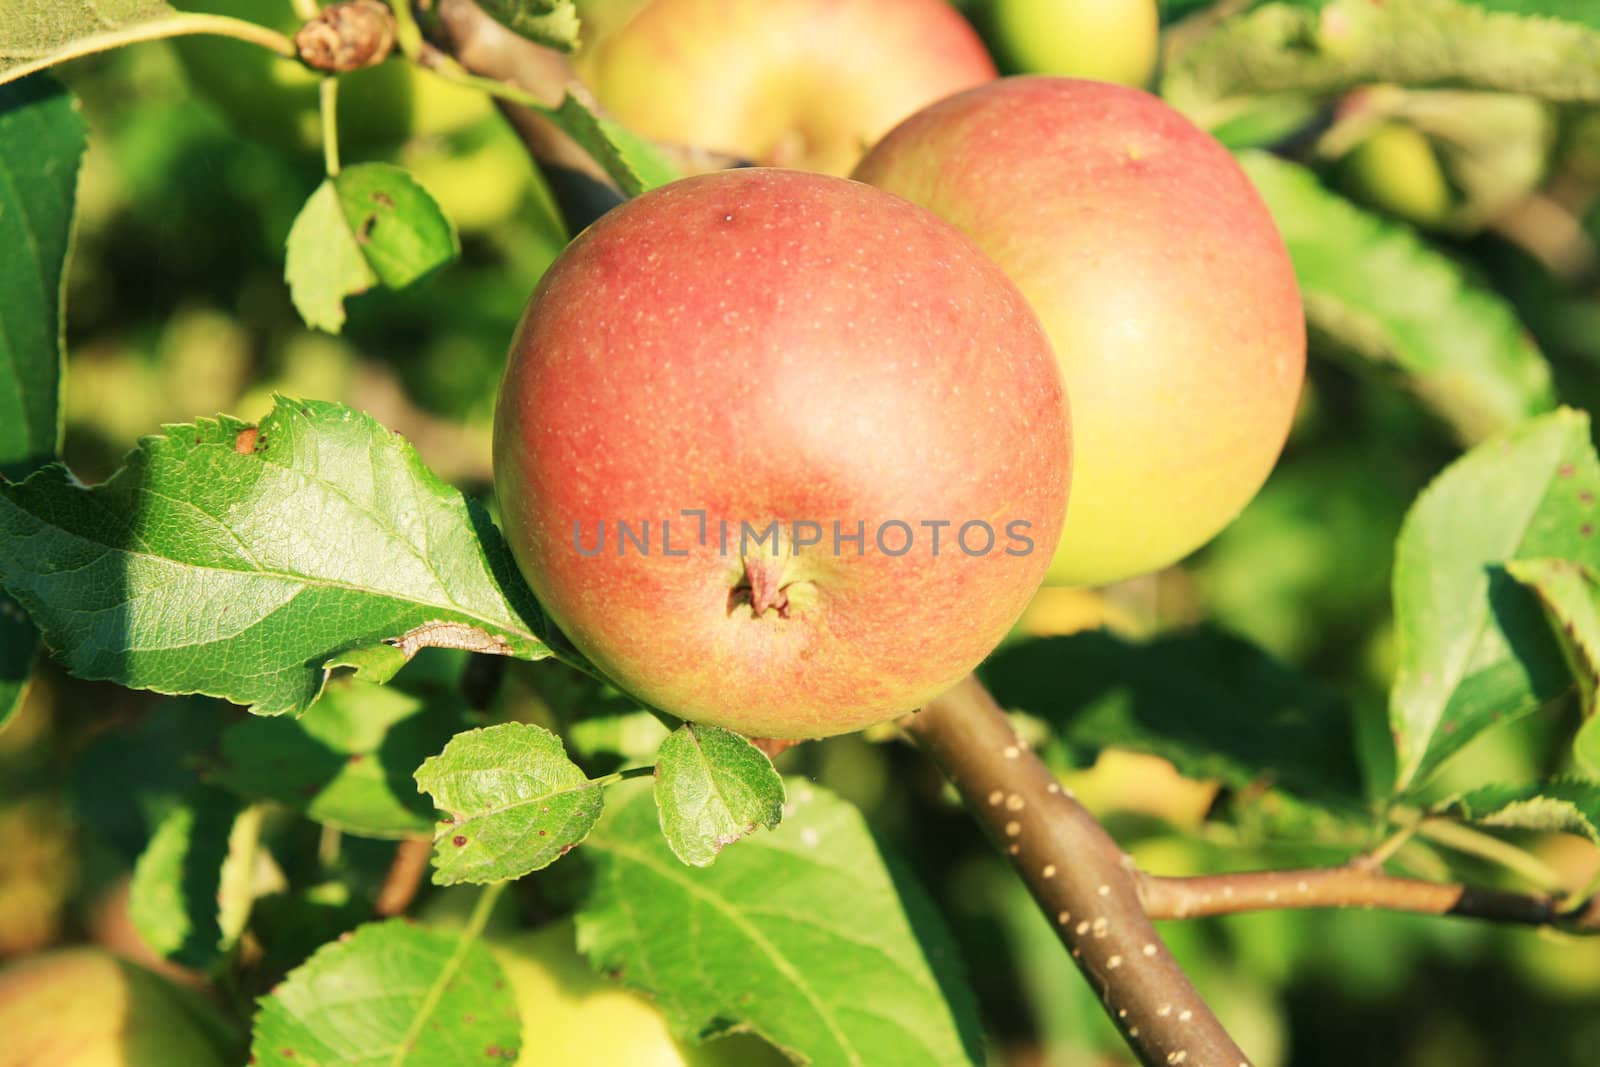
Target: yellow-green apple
(796, 83)
(1396, 170)
(739, 412)
(1108, 40)
(1164, 286)
(572, 1017)
(83, 1007)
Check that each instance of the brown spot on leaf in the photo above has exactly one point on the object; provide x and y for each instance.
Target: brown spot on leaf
(382, 199)
(459, 840)
(245, 442)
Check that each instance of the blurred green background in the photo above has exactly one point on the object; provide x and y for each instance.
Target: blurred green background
(177, 308)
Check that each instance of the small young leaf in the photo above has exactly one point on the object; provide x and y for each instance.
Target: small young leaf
(347, 762)
(513, 803)
(177, 900)
(237, 561)
(712, 788)
(1380, 292)
(372, 224)
(633, 163)
(1475, 651)
(323, 264)
(1327, 46)
(1216, 706)
(807, 935)
(552, 23)
(394, 994)
(1571, 805)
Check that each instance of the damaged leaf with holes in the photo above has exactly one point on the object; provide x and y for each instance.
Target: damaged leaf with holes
(511, 803)
(372, 224)
(239, 561)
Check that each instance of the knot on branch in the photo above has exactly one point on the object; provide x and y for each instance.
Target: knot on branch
(347, 36)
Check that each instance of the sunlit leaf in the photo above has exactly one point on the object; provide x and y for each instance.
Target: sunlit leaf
(391, 993)
(1475, 650)
(806, 935)
(512, 802)
(237, 561)
(712, 788)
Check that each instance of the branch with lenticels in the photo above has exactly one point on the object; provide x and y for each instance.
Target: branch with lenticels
(1084, 883)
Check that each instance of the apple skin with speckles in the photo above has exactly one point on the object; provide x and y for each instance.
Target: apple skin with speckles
(1162, 281)
(794, 83)
(777, 346)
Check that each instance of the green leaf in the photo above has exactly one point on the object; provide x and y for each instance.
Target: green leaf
(372, 224)
(347, 762)
(807, 935)
(1474, 649)
(236, 561)
(1377, 290)
(191, 889)
(1216, 706)
(1570, 595)
(394, 994)
(1583, 12)
(19, 650)
(125, 782)
(513, 803)
(552, 23)
(1330, 46)
(1569, 805)
(633, 162)
(42, 140)
(38, 33)
(712, 788)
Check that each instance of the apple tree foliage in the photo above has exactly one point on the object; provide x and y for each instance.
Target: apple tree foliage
(310, 568)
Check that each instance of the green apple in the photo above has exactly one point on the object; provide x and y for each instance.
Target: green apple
(275, 100)
(793, 379)
(1164, 285)
(572, 1017)
(1396, 170)
(797, 83)
(1107, 40)
(83, 1007)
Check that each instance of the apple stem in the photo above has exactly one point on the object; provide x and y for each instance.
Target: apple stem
(1085, 884)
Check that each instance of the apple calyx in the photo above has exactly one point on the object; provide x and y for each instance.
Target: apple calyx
(762, 586)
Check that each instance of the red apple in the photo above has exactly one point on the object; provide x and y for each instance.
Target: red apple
(761, 347)
(802, 83)
(1162, 281)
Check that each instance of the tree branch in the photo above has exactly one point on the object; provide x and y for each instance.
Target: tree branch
(1354, 886)
(1078, 875)
(580, 186)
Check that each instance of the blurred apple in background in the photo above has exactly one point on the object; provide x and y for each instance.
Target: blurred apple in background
(83, 1007)
(797, 83)
(1396, 171)
(275, 100)
(1107, 40)
(1442, 159)
(1162, 281)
